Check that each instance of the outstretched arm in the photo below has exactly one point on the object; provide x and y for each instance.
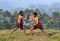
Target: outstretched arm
(24, 19)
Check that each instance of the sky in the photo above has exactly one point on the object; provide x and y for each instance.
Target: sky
(10, 4)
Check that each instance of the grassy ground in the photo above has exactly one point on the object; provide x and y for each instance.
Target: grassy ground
(38, 36)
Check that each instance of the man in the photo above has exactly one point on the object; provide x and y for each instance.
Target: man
(19, 23)
(36, 24)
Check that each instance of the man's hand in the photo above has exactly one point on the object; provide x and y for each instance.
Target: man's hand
(33, 24)
(25, 19)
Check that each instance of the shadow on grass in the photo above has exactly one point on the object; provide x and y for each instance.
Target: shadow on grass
(52, 33)
(35, 33)
(39, 34)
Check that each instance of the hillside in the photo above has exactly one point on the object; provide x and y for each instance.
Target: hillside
(38, 36)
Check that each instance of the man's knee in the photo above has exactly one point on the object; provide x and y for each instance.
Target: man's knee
(23, 28)
(31, 29)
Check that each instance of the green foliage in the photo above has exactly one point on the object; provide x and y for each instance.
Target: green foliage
(55, 14)
(5, 25)
(7, 14)
(8, 20)
(56, 18)
(56, 37)
(39, 13)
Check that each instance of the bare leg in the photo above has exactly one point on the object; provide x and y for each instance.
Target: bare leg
(13, 30)
(24, 31)
(31, 30)
(43, 31)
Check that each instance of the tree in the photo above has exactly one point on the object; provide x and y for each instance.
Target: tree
(1, 9)
(5, 25)
(46, 20)
(14, 19)
(26, 12)
(1, 17)
(39, 13)
(56, 19)
(7, 13)
(55, 14)
(1, 12)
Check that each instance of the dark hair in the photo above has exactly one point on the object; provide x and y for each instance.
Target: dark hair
(20, 12)
(35, 13)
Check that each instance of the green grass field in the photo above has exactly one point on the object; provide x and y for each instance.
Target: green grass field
(38, 36)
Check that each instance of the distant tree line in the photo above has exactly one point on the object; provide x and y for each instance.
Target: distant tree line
(8, 20)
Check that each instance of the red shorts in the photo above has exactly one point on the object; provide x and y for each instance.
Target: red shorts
(19, 26)
(39, 25)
